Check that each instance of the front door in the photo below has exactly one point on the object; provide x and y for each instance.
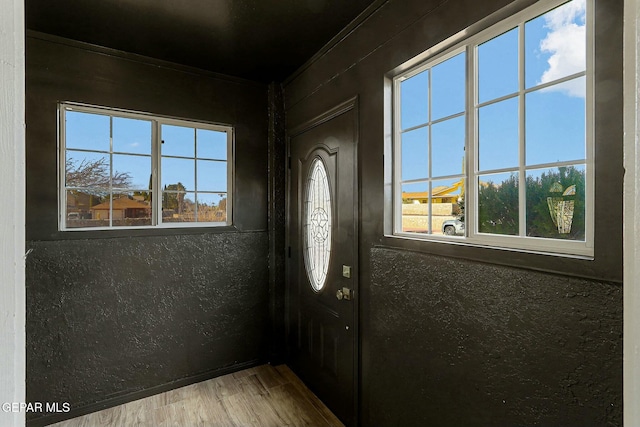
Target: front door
(322, 266)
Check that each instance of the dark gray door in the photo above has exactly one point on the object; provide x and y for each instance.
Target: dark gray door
(322, 270)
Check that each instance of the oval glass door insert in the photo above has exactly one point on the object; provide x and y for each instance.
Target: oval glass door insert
(317, 225)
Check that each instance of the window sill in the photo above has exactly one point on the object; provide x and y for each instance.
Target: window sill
(584, 253)
(141, 232)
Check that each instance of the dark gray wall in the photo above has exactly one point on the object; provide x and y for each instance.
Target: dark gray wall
(483, 345)
(277, 220)
(447, 332)
(116, 314)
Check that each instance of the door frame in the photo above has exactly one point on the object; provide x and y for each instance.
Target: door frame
(350, 104)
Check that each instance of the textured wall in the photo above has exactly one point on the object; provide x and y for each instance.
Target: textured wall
(115, 312)
(449, 331)
(463, 343)
(107, 317)
(277, 219)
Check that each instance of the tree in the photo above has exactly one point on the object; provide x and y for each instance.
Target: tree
(498, 204)
(92, 180)
(173, 197)
(146, 195)
(94, 176)
(552, 185)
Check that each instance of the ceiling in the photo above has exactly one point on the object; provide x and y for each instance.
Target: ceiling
(261, 40)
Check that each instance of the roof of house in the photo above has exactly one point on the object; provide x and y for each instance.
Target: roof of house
(438, 191)
(122, 203)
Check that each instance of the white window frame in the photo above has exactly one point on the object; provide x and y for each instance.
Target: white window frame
(447, 49)
(156, 170)
(439, 59)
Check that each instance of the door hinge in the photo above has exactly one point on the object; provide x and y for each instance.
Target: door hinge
(289, 162)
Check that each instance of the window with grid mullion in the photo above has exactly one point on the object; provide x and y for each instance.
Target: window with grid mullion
(523, 127)
(432, 145)
(113, 161)
(531, 147)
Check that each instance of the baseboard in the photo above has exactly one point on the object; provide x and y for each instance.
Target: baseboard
(140, 394)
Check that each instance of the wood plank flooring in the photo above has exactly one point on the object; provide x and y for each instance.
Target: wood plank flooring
(264, 396)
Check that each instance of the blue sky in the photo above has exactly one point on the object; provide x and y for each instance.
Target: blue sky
(132, 141)
(554, 116)
(181, 141)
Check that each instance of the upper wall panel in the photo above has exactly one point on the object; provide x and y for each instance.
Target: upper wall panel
(394, 34)
(59, 71)
(399, 31)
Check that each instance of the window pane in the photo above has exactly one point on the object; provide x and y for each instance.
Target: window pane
(212, 175)
(83, 169)
(131, 136)
(317, 225)
(178, 206)
(555, 124)
(415, 208)
(212, 207)
(415, 154)
(178, 172)
(556, 203)
(131, 171)
(446, 196)
(131, 209)
(498, 143)
(555, 44)
(100, 212)
(448, 87)
(178, 141)
(211, 144)
(79, 208)
(498, 66)
(498, 204)
(109, 159)
(87, 131)
(414, 104)
(448, 139)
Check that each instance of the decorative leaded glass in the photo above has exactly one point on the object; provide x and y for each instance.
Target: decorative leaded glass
(317, 224)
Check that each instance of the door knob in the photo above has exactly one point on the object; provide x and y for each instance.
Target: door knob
(344, 293)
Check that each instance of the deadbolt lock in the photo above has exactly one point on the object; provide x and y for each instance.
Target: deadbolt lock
(346, 271)
(344, 293)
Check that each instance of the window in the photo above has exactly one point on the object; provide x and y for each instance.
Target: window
(132, 170)
(492, 144)
(317, 225)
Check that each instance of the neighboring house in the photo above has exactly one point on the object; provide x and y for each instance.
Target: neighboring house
(440, 194)
(123, 207)
(79, 203)
(415, 208)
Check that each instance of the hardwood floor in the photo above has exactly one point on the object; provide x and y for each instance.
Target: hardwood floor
(264, 396)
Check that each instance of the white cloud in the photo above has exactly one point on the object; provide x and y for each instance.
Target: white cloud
(566, 43)
(567, 14)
